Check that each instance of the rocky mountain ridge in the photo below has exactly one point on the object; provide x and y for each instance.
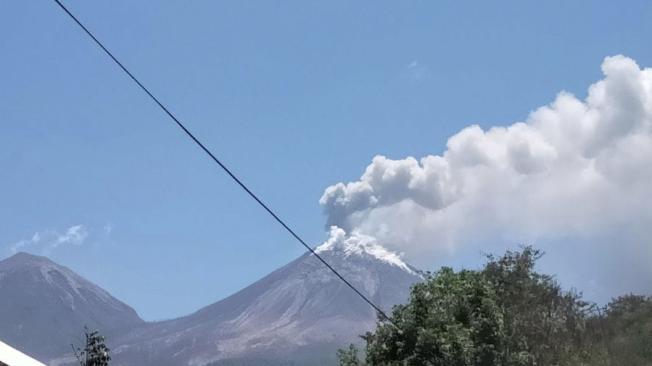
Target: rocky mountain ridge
(298, 314)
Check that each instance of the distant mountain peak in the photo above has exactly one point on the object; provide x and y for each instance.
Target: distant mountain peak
(360, 244)
(25, 255)
(299, 314)
(47, 306)
(23, 258)
(25, 262)
(40, 266)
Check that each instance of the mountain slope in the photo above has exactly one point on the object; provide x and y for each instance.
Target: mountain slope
(44, 306)
(299, 314)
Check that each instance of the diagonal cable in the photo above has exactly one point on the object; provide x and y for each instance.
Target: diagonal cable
(224, 167)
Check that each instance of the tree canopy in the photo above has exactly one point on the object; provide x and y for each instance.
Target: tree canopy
(507, 314)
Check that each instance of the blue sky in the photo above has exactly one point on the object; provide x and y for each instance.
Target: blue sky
(293, 96)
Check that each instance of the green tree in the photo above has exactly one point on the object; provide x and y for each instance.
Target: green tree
(95, 352)
(506, 314)
(543, 325)
(621, 334)
(452, 319)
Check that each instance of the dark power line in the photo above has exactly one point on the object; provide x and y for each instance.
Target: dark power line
(218, 162)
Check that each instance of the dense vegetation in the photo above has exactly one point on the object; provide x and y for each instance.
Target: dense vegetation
(507, 314)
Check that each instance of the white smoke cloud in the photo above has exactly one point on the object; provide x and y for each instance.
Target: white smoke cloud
(356, 243)
(574, 177)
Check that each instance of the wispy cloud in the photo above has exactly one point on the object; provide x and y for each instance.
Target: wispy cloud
(75, 235)
(417, 71)
(108, 229)
(18, 246)
(46, 241)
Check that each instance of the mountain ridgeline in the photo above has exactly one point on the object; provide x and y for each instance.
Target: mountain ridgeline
(44, 307)
(299, 314)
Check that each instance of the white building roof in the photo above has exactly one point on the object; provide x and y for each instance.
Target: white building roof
(12, 357)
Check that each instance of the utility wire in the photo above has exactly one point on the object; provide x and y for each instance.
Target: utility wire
(224, 167)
